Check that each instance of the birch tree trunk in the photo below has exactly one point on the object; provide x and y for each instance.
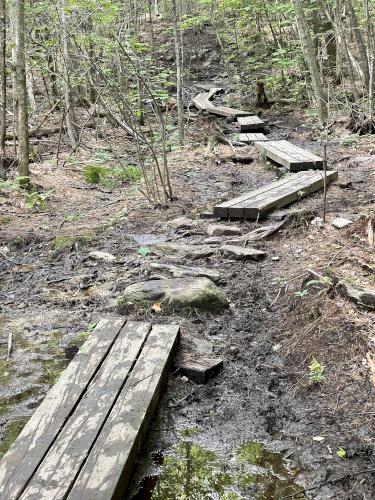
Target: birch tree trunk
(21, 90)
(3, 87)
(179, 74)
(312, 64)
(70, 119)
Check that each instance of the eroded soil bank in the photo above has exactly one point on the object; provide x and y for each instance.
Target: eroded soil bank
(249, 433)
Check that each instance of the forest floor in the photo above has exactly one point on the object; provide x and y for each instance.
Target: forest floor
(248, 433)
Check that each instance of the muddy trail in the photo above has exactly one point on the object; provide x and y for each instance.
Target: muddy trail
(260, 429)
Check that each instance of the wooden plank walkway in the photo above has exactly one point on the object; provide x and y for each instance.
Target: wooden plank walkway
(202, 102)
(83, 439)
(288, 155)
(275, 195)
(250, 123)
(251, 138)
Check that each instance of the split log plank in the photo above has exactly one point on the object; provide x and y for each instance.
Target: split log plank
(276, 195)
(222, 209)
(289, 155)
(250, 138)
(108, 468)
(250, 123)
(127, 380)
(202, 102)
(24, 456)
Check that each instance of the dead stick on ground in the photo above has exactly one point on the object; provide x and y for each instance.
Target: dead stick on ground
(10, 339)
(371, 364)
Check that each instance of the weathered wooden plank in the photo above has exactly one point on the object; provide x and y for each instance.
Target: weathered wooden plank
(250, 138)
(282, 158)
(222, 209)
(108, 468)
(55, 475)
(202, 102)
(304, 190)
(238, 210)
(260, 205)
(250, 123)
(297, 152)
(23, 458)
(289, 155)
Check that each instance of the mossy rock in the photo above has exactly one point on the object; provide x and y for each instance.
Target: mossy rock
(61, 243)
(179, 293)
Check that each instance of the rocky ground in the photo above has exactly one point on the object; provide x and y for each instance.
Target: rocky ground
(260, 429)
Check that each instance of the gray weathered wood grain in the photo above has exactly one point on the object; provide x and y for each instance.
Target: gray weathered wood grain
(22, 459)
(108, 468)
(221, 210)
(288, 155)
(250, 138)
(56, 474)
(274, 195)
(250, 123)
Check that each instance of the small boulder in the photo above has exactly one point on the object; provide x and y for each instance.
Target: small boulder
(341, 222)
(219, 230)
(244, 253)
(102, 256)
(182, 223)
(178, 293)
(184, 251)
(185, 272)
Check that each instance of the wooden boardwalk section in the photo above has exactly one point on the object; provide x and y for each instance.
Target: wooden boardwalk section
(203, 102)
(82, 441)
(250, 123)
(252, 137)
(288, 155)
(273, 196)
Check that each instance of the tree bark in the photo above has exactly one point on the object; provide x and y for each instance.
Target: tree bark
(21, 90)
(70, 119)
(179, 74)
(3, 87)
(310, 57)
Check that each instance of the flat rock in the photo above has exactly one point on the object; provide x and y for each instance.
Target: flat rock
(182, 223)
(341, 222)
(177, 293)
(362, 296)
(243, 252)
(172, 271)
(199, 369)
(102, 256)
(184, 251)
(220, 230)
(213, 240)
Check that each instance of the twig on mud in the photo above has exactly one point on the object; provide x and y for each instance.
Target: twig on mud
(8, 259)
(334, 257)
(10, 342)
(277, 297)
(185, 397)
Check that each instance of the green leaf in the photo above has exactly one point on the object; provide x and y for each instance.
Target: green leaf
(341, 453)
(144, 251)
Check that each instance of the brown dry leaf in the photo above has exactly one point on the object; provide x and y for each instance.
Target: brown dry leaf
(156, 307)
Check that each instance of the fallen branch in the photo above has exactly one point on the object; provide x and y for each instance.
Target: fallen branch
(371, 364)
(258, 234)
(10, 342)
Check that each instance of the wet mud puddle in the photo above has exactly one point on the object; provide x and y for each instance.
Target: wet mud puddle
(190, 471)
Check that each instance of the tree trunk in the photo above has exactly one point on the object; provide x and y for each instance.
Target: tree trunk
(70, 119)
(21, 90)
(310, 57)
(179, 74)
(359, 41)
(3, 87)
